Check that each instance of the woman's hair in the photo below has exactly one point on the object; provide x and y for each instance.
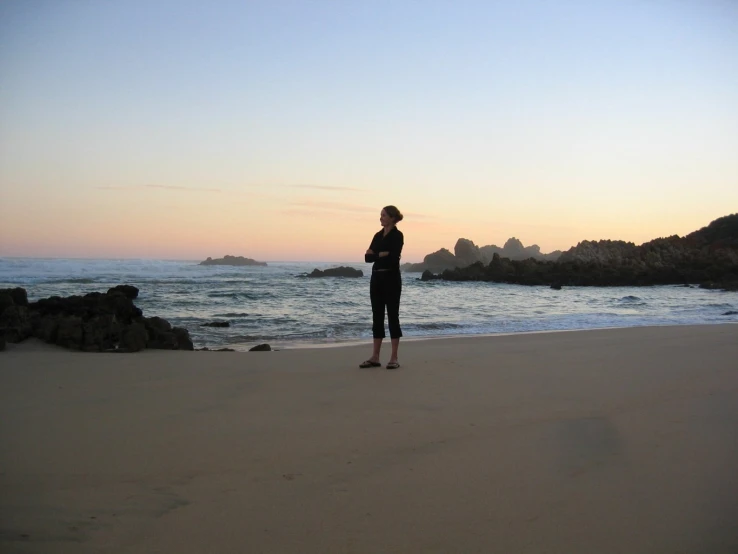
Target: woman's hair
(394, 213)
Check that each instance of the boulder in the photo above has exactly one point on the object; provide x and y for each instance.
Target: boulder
(182, 335)
(70, 332)
(100, 332)
(133, 337)
(45, 328)
(260, 348)
(129, 291)
(12, 297)
(18, 295)
(342, 271)
(16, 321)
(94, 322)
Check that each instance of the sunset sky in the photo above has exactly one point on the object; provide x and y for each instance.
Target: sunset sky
(278, 130)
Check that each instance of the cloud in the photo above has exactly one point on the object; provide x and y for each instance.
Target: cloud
(315, 206)
(325, 187)
(164, 187)
(421, 217)
(172, 187)
(332, 206)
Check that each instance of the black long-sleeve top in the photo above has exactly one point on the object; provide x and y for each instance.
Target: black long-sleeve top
(392, 242)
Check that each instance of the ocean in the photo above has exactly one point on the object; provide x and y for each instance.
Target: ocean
(279, 306)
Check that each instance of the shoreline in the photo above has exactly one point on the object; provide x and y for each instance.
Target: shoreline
(368, 340)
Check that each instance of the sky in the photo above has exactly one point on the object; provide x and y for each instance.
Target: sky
(277, 130)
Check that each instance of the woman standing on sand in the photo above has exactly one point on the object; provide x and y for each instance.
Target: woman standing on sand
(385, 286)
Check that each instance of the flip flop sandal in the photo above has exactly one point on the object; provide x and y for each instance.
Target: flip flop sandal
(369, 363)
(393, 365)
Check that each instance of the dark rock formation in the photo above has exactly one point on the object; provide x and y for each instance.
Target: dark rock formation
(206, 349)
(94, 322)
(217, 324)
(232, 260)
(726, 285)
(467, 253)
(129, 291)
(437, 261)
(429, 276)
(708, 256)
(260, 348)
(342, 271)
(731, 312)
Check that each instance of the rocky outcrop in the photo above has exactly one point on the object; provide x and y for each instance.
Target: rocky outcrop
(437, 261)
(467, 253)
(95, 322)
(342, 271)
(232, 260)
(708, 257)
(515, 250)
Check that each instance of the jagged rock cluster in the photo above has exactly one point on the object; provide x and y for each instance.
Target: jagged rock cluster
(467, 253)
(708, 257)
(95, 322)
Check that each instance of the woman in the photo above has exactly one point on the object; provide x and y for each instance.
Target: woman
(386, 284)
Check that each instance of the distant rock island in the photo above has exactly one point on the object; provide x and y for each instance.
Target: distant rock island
(231, 260)
(466, 253)
(342, 271)
(708, 257)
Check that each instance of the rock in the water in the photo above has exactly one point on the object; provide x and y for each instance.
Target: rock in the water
(731, 312)
(129, 291)
(429, 276)
(260, 348)
(217, 324)
(466, 252)
(232, 260)
(556, 286)
(342, 271)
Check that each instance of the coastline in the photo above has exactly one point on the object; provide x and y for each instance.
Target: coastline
(607, 441)
(367, 341)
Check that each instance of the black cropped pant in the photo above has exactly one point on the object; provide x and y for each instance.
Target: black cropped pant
(385, 289)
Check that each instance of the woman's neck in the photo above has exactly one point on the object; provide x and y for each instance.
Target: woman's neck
(388, 228)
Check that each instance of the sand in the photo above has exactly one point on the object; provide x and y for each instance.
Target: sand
(609, 441)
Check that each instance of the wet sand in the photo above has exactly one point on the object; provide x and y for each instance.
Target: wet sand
(608, 441)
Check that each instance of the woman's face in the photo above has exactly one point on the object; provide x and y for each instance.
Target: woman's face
(384, 219)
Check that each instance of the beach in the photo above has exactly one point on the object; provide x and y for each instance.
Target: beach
(599, 441)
